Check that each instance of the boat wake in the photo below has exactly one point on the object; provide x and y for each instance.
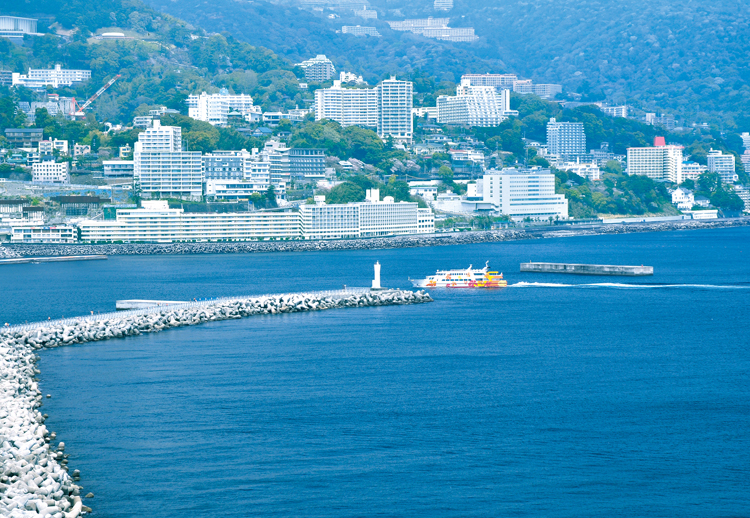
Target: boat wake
(616, 285)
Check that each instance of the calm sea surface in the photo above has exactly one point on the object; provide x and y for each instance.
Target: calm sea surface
(559, 396)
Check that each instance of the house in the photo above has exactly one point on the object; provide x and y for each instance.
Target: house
(683, 199)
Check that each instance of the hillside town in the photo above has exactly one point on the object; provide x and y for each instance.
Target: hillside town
(160, 190)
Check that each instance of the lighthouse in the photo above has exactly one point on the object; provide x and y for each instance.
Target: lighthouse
(376, 280)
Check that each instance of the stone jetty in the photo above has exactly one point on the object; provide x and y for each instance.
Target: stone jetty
(34, 480)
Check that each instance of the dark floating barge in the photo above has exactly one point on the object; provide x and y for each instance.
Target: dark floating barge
(587, 269)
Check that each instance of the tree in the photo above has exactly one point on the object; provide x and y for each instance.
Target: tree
(709, 182)
(446, 173)
(727, 201)
(345, 193)
(271, 197)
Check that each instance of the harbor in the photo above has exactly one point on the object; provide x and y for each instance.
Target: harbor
(587, 269)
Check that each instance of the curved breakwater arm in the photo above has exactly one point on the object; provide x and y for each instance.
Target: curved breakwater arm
(34, 480)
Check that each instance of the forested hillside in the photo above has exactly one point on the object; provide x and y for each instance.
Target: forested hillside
(687, 58)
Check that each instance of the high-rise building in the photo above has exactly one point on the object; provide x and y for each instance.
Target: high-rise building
(225, 165)
(347, 106)
(523, 193)
(162, 169)
(307, 165)
(215, 108)
(318, 69)
(565, 139)
(395, 100)
(660, 162)
(723, 165)
(480, 106)
(386, 107)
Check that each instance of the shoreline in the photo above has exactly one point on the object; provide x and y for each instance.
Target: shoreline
(378, 243)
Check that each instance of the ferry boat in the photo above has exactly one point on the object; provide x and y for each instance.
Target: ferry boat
(468, 278)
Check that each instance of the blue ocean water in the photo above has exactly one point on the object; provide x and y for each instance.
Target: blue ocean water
(558, 396)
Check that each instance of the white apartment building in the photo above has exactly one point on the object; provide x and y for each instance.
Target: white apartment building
(359, 31)
(410, 25)
(118, 168)
(349, 77)
(435, 28)
(276, 154)
(744, 194)
(51, 172)
(162, 169)
(367, 219)
(478, 106)
(215, 108)
(48, 146)
(658, 162)
(226, 165)
(443, 5)
(395, 101)
(565, 139)
(723, 165)
(56, 77)
(347, 106)
(692, 170)
(616, 111)
(318, 69)
(683, 199)
(522, 194)
(157, 223)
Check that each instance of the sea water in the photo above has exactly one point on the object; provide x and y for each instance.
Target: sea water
(558, 396)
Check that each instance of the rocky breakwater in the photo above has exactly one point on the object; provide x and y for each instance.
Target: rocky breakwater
(379, 243)
(34, 480)
(7, 253)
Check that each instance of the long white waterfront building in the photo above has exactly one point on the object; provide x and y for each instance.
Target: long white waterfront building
(157, 223)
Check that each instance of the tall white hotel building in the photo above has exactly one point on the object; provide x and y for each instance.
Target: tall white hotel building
(161, 169)
(386, 107)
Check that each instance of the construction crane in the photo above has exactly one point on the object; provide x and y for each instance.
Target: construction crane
(80, 111)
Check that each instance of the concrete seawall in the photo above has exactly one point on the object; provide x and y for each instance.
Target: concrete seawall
(34, 480)
(587, 269)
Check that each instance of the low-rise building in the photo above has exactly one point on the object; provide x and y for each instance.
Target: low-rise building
(359, 31)
(81, 149)
(24, 138)
(588, 170)
(56, 77)
(64, 234)
(692, 170)
(242, 190)
(118, 168)
(51, 172)
(49, 146)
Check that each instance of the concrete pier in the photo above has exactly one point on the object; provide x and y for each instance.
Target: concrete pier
(59, 259)
(587, 269)
(124, 305)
